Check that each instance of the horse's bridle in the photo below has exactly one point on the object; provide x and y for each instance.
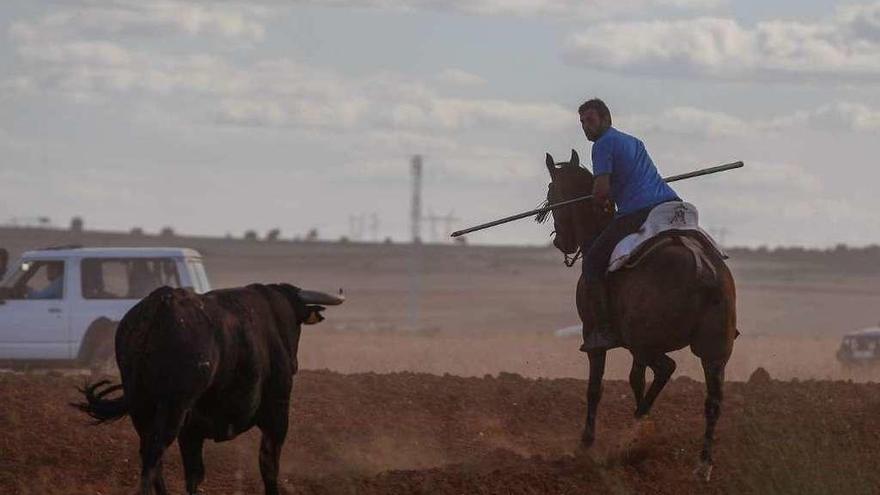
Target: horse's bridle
(570, 260)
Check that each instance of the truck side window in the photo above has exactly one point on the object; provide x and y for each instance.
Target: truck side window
(126, 278)
(42, 280)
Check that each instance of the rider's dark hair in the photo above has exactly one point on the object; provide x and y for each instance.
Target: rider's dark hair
(599, 106)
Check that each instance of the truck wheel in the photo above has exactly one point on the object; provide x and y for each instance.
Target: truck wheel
(97, 350)
(103, 359)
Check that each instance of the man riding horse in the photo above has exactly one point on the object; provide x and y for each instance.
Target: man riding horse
(625, 177)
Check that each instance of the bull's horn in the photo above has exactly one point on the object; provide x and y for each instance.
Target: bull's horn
(322, 298)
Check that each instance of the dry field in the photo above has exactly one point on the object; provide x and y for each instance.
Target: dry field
(492, 309)
(478, 395)
(408, 433)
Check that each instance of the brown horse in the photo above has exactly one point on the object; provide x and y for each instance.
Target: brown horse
(664, 303)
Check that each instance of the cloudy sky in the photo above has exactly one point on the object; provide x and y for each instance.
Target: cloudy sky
(218, 117)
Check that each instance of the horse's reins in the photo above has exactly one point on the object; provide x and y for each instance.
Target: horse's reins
(571, 260)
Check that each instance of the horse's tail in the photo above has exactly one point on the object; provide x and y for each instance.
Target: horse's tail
(98, 407)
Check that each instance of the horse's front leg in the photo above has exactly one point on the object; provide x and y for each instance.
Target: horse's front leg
(594, 395)
(637, 383)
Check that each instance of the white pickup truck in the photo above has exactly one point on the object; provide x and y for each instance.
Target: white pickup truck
(63, 304)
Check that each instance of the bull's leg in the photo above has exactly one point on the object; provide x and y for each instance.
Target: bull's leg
(274, 430)
(190, 444)
(594, 395)
(637, 383)
(159, 480)
(151, 465)
(156, 435)
(662, 366)
(714, 373)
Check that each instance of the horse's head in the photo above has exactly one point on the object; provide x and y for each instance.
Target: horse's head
(575, 225)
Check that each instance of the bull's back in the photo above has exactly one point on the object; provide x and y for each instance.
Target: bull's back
(166, 347)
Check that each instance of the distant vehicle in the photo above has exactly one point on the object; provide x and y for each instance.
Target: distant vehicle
(61, 305)
(860, 347)
(570, 331)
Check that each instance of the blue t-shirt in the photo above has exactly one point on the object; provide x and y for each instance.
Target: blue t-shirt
(635, 182)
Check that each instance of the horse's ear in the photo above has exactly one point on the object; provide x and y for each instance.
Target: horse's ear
(575, 160)
(551, 165)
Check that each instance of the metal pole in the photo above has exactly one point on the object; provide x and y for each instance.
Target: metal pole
(415, 254)
(416, 203)
(530, 213)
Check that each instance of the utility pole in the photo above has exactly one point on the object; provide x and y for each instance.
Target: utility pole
(416, 204)
(415, 258)
(374, 227)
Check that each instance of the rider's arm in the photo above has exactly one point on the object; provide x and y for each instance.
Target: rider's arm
(603, 167)
(602, 191)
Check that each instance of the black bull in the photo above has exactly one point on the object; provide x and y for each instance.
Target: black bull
(210, 366)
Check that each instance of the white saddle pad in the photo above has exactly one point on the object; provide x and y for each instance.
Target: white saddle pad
(673, 215)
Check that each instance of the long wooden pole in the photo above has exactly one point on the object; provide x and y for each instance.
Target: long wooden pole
(530, 213)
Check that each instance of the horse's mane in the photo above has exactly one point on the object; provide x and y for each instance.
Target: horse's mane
(544, 215)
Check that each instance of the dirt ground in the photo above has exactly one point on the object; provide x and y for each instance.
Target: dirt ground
(442, 374)
(405, 433)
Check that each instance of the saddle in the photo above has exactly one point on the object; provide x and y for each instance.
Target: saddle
(671, 222)
(699, 249)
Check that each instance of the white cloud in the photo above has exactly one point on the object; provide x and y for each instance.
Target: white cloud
(847, 45)
(147, 18)
(688, 121)
(837, 116)
(560, 9)
(458, 77)
(841, 115)
(268, 93)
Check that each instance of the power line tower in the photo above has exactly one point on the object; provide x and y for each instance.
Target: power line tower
(416, 203)
(432, 220)
(447, 220)
(415, 255)
(374, 227)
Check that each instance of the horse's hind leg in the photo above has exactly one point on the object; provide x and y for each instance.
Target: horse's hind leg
(662, 366)
(714, 372)
(637, 382)
(594, 395)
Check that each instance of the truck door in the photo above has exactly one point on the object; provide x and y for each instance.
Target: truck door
(110, 286)
(34, 314)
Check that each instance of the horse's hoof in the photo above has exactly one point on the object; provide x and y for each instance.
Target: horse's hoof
(703, 471)
(645, 430)
(586, 442)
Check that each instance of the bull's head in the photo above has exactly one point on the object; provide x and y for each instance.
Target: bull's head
(308, 304)
(315, 302)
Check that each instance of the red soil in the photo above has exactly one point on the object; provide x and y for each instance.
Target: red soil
(415, 433)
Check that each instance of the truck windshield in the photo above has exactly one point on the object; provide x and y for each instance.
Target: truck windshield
(36, 280)
(126, 278)
(198, 275)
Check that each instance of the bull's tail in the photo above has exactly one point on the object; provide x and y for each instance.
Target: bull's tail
(100, 408)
